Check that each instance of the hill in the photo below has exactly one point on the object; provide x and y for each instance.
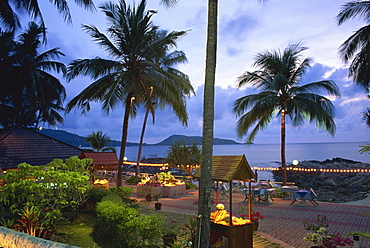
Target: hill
(74, 139)
(189, 140)
(80, 141)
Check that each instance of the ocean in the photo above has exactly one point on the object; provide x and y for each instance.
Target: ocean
(268, 155)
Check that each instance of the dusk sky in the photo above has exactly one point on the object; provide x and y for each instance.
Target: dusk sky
(246, 27)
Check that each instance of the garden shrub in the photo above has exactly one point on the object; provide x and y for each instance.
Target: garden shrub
(113, 198)
(190, 186)
(133, 180)
(144, 230)
(119, 225)
(124, 192)
(96, 194)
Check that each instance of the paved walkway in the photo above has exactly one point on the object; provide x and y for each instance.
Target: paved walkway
(284, 223)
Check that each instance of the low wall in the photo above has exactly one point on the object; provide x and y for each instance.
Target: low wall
(12, 239)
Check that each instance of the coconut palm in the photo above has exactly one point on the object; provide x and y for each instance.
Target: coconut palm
(128, 76)
(357, 46)
(204, 209)
(29, 92)
(166, 61)
(10, 19)
(282, 93)
(98, 142)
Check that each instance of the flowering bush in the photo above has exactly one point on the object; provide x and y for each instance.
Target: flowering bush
(190, 229)
(255, 215)
(320, 235)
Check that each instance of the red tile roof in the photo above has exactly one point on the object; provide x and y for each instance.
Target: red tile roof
(101, 158)
(19, 145)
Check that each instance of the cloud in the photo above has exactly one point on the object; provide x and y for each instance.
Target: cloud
(245, 28)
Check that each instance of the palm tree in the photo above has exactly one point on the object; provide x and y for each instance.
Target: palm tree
(282, 94)
(183, 156)
(10, 19)
(357, 46)
(204, 208)
(29, 91)
(166, 61)
(98, 142)
(131, 74)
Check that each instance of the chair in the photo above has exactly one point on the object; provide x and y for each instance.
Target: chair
(314, 196)
(225, 190)
(263, 195)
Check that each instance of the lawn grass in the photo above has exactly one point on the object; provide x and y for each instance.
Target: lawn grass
(77, 232)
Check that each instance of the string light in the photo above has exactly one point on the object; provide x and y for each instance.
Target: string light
(314, 170)
(357, 170)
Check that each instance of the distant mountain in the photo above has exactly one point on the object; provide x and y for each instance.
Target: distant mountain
(76, 140)
(80, 141)
(189, 140)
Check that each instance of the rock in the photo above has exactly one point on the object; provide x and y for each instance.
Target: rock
(332, 186)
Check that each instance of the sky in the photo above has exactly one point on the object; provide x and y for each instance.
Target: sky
(246, 27)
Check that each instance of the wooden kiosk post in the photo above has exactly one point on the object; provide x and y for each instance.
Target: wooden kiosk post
(227, 169)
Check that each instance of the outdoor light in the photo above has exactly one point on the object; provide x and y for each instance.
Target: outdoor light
(295, 162)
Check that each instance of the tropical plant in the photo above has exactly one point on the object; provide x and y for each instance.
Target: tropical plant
(98, 141)
(320, 235)
(30, 94)
(52, 187)
(183, 156)
(130, 76)
(166, 60)
(283, 94)
(357, 46)
(10, 19)
(33, 222)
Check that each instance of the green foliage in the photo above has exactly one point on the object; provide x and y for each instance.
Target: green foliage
(321, 237)
(133, 180)
(144, 191)
(113, 198)
(190, 186)
(365, 148)
(50, 188)
(38, 95)
(144, 230)
(33, 222)
(124, 192)
(181, 155)
(119, 225)
(98, 141)
(95, 195)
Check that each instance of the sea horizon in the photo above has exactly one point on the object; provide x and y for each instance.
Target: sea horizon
(268, 155)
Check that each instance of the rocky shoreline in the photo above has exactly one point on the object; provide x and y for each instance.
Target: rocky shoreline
(333, 187)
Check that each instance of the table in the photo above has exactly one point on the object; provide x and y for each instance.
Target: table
(304, 195)
(288, 188)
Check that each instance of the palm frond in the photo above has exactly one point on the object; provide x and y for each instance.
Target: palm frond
(91, 67)
(354, 9)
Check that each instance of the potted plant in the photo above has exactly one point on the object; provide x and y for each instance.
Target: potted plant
(320, 236)
(255, 216)
(157, 205)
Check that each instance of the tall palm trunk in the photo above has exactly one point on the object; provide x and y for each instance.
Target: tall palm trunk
(141, 143)
(283, 159)
(204, 207)
(124, 139)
